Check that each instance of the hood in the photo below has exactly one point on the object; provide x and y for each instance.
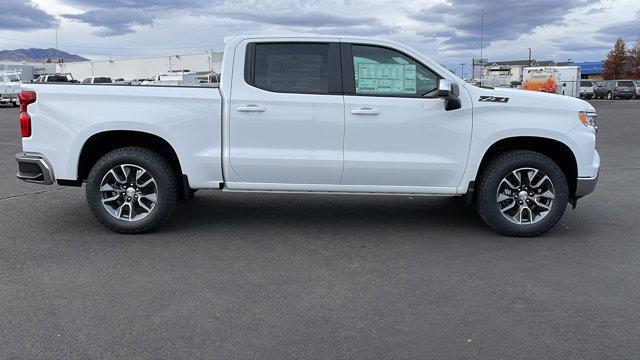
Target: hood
(531, 99)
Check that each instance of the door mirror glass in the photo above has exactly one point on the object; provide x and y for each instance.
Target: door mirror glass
(447, 88)
(444, 88)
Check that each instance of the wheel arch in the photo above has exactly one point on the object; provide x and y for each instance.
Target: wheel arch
(103, 142)
(556, 150)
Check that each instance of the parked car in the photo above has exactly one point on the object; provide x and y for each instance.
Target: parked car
(586, 89)
(311, 114)
(119, 81)
(9, 87)
(623, 89)
(637, 83)
(601, 90)
(55, 78)
(137, 81)
(97, 80)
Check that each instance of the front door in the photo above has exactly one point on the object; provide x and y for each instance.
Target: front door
(397, 132)
(287, 116)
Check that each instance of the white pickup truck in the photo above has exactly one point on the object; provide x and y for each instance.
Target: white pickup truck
(310, 114)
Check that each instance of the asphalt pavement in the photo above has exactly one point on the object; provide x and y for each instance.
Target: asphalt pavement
(272, 276)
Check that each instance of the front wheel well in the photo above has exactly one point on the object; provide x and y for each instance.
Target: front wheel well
(560, 153)
(102, 143)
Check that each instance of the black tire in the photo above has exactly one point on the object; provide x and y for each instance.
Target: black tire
(489, 182)
(157, 167)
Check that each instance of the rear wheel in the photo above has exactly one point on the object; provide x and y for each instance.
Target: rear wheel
(522, 193)
(131, 190)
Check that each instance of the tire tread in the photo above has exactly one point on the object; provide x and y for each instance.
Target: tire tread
(484, 190)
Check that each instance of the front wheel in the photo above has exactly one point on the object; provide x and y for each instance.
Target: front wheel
(522, 193)
(131, 190)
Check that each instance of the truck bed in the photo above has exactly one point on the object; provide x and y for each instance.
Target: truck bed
(65, 116)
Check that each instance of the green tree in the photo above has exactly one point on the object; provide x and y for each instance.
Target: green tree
(633, 61)
(614, 64)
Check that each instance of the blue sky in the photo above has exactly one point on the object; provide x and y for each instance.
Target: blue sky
(446, 30)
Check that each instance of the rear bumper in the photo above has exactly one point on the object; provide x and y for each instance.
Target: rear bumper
(34, 168)
(585, 186)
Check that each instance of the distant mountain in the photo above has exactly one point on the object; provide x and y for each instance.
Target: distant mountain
(38, 55)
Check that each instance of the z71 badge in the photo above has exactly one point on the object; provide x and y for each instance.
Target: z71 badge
(494, 99)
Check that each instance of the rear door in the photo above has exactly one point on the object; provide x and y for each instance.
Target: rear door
(286, 113)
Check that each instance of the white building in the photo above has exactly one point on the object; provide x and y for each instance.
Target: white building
(139, 68)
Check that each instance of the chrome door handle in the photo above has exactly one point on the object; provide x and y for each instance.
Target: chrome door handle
(365, 111)
(250, 108)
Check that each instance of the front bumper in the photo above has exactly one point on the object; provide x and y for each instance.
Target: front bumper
(585, 186)
(34, 168)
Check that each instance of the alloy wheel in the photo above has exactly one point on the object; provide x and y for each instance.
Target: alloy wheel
(525, 196)
(129, 192)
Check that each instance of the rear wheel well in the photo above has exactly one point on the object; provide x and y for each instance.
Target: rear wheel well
(560, 153)
(102, 143)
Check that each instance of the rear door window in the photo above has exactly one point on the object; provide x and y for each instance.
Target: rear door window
(291, 67)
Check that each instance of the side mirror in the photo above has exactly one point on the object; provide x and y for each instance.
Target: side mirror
(445, 88)
(450, 91)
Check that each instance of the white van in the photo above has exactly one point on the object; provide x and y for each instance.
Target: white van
(174, 79)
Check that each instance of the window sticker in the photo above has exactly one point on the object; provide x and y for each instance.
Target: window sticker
(386, 79)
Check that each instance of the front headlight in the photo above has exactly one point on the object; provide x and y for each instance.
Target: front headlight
(588, 119)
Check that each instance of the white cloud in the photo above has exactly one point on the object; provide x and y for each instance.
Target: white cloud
(577, 29)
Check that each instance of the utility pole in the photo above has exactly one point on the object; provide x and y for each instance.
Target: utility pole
(462, 70)
(57, 48)
(481, 39)
(529, 57)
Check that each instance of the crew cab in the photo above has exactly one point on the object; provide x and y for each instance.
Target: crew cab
(313, 114)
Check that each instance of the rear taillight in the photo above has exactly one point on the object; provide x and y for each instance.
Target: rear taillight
(26, 98)
(25, 124)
